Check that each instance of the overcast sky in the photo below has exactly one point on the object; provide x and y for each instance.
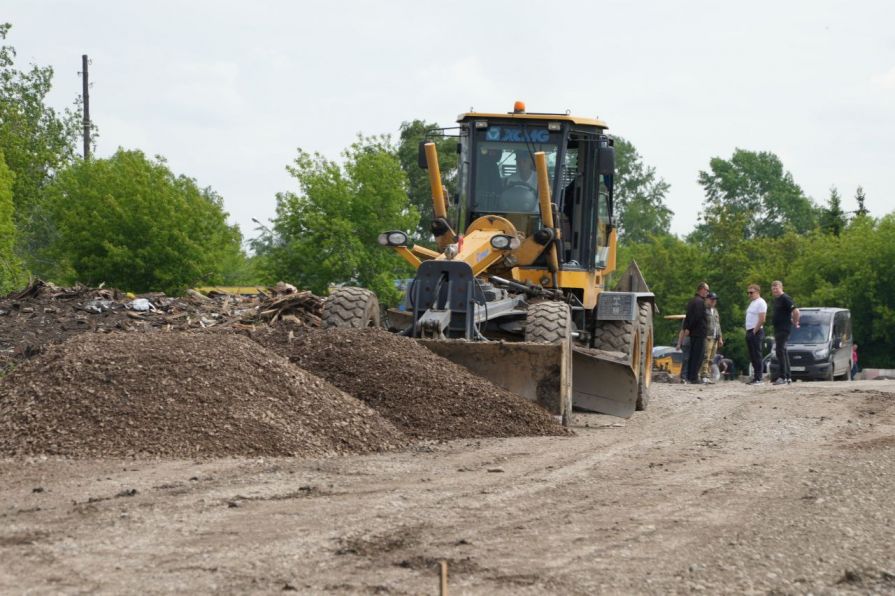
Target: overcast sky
(227, 91)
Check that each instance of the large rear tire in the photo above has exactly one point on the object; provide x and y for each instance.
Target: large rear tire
(645, 322)
(551, 323)
(615, 336)
(635, 340)
(355, 308)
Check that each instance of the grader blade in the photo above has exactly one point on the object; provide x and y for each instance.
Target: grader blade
(539, 372)
(600, 381)
(604, 382)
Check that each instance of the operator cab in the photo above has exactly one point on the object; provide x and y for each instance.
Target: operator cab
(498, 177)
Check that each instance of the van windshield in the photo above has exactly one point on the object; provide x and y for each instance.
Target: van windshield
(811, 330)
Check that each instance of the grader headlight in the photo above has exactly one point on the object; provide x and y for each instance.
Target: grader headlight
(395, 238)
(504, 242)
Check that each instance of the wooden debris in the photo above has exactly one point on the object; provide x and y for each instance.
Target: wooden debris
(300, 308)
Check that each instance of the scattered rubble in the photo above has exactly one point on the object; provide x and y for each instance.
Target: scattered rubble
(43, 314)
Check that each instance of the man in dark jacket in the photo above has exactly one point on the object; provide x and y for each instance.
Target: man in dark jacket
(785, 316)
(694, 327)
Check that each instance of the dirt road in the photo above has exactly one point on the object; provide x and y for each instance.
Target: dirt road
(721, 489)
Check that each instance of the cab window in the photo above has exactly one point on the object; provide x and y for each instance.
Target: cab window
(505, 175)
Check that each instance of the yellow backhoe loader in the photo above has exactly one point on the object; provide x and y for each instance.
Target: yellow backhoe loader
(515, 291)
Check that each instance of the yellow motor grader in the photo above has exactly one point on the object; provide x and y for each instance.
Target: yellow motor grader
(515, 291)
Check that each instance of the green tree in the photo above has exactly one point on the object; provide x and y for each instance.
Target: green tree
(639, 194)
(832, 217)
(130, 222)
(855, 270)
(672, 268)
(326, 233)
(419, 189)
(11, 273)
(36, 140)
(755, 184)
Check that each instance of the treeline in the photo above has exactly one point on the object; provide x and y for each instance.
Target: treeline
(126, 220)
(129, 221)
(854, 268)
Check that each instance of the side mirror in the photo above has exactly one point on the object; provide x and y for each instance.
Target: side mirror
(421, 156)
(605, 159)
(837, 343)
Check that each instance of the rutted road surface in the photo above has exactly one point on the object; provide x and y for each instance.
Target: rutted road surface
(718, 489)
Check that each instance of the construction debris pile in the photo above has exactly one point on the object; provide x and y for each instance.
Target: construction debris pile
(421, 393)
(179, 395)
(88, 372)
(44, 314)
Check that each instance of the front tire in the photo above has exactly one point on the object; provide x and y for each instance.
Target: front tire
(551, 323)
(354, 308)
(548, 323)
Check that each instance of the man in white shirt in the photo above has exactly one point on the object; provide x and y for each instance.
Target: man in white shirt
(755, 316)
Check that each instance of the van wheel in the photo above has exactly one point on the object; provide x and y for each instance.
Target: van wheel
(831, 376)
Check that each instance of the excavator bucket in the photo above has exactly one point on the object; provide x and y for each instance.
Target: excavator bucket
(539, 372)
(600, 381)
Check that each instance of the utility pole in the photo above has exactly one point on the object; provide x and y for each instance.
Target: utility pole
(86, 96)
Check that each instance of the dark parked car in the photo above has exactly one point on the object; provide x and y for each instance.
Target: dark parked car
(820, 349)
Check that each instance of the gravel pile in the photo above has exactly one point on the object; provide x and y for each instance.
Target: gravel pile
(421, 393)
(179, 395)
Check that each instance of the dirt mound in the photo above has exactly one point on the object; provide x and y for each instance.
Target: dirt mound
(179, 395)
(423, 394)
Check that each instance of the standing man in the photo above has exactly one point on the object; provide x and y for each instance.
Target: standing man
(755, 316)
(785, 316)
(713, 339)
(694, 327)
